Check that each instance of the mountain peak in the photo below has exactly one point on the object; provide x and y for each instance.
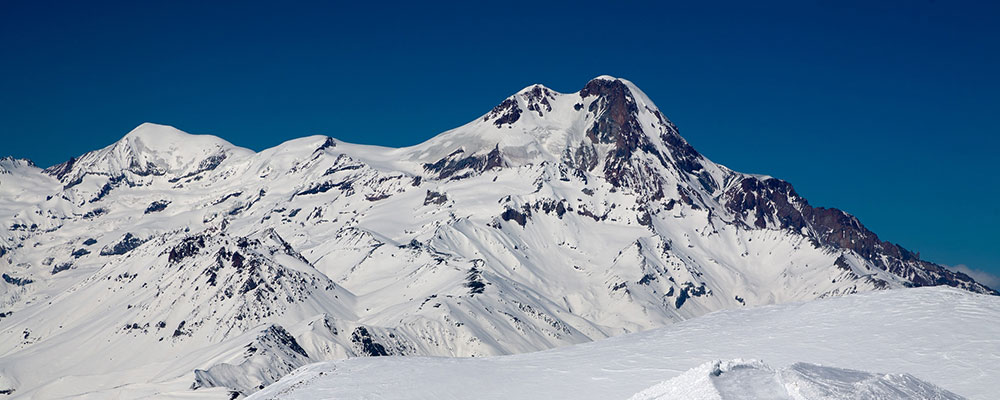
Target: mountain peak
(11, 162)
(606, 122)
(604, 78)
(149, 149)
(149, 131)
(535, 88)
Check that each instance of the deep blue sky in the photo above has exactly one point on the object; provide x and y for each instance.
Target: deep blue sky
(885, 110)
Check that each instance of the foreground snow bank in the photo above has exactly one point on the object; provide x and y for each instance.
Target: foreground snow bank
(752, 379)
(943, 336)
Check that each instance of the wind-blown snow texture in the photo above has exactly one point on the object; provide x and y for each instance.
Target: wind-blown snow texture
(741, 379)
(169, 261)
(930, 340)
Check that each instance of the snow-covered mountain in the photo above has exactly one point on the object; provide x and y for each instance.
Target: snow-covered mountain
(916, 343)
(169, 261)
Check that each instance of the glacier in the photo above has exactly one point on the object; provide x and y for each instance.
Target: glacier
(176, 263)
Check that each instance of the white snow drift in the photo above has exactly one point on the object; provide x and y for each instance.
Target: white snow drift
(932, 341)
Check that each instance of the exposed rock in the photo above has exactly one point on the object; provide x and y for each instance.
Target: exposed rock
(127, 243)
(505, 113)
(16, 281)
(456, 162)
(435, 198)
(517, 216)
(61, 267)
(366, 345)
(157, 206)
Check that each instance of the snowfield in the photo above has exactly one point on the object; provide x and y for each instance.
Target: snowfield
(175, 264)
(740, 379)
(938, 336)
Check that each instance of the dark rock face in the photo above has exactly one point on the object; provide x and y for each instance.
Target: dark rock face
(474, 280)
(538, 99)
(328, 144)
(774, 204)
(16, 281)
(180, 330)
(128, 243)
(451, 165)
(435, 198)
(157, 206)
(768, 202)
(367, 345)
(208, 164)
(505, 113)
(97, 212)
(279, 336)
(112, 183)
(615, 113)
(689, 290)
(325, 187)
(61, 267)
(147, 169)
(189, 246)
(584, 157)
(60, 171)
(616, 122)
(521, 218)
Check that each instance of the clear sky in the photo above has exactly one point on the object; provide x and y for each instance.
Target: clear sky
(886, 110)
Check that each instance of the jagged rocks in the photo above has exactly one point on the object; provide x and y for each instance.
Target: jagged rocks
(273, 353)
(325, 187)
(281, 337)
(97, 212)
(474, 279)
(505, 113)
(366, 345)
(16, 281)
(157, 206)
(521, 217)
(179, 331)
(689, 290)
(208, 164)
(451, 165)
(127, 243)
(61, 267)
(188, 247)
(59, 171)
(537, 99)
(435, 198)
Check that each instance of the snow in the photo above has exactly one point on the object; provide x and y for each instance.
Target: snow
(942, 336)
(752, 379)
(344, 251)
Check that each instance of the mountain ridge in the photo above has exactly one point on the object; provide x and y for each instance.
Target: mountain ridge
(552, 220)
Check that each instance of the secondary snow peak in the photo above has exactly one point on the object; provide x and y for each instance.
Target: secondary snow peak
(150, 150)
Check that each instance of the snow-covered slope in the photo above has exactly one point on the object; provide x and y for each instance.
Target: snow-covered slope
(169, 261)
(741, 379)
(924, 337)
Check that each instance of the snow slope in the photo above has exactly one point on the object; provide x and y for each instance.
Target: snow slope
(169, 262)
(941, 336)
(741, 379)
